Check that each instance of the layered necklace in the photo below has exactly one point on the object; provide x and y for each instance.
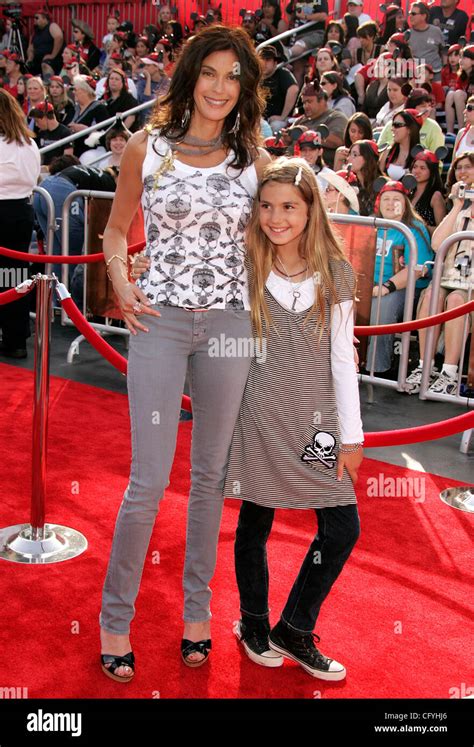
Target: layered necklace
(204, 146)
(294, 286)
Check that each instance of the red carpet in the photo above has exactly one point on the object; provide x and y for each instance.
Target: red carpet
(398, 617)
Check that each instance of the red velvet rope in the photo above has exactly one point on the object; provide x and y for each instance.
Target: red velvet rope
(101, 345)
(429, 432)
(62, 259)
(13, 295)
(429, 321)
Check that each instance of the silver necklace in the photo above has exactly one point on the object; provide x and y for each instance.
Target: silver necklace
(295, 291)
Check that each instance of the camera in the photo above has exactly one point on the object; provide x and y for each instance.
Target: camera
(465, 194)
(307, 8)
(13, 11)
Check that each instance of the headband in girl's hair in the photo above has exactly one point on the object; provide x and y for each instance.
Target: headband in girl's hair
(421, 154)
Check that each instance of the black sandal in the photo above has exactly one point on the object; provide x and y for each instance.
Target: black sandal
(118, 661)
(191, 647)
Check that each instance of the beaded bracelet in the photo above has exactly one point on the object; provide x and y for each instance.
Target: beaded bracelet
(351, 450)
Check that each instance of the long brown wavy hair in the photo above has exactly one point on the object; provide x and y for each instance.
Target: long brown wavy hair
(12, 120)
(169, 110)
(318, 245)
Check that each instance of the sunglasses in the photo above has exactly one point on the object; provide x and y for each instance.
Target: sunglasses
(411, 13)
(398, 125)
(470, 108)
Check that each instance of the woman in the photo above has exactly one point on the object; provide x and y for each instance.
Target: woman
(335, 34)
(21, 96)
(363, 161)
(358, 128)
(397, 160)
(164, 47)
(397, 91)
(115, 141)
(338, 97)
(207, 126)
(84, 38)
(21, 166)
(88, 110)
(461, 170)
(340, 195)
(397, 43)
(465, 139)
(35, 93)
(428, 198)
(63, 106)
(272, 17)
(376, 94)
(393, 203)
(450, 71)
(453, 293)
(117, 97)
(143, 47)
(455, 100)
(324, 63)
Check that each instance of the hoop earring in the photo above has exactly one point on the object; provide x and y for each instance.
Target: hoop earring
(236, 126)
(186, 117)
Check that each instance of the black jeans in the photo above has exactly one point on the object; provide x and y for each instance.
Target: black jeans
(338, 532)
(16, 227)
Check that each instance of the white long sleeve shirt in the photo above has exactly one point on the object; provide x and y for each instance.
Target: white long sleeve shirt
(20, 167)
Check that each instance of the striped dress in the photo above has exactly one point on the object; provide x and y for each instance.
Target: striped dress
(285, 442)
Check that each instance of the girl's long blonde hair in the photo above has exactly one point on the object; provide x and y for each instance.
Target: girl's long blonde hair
(318, 244)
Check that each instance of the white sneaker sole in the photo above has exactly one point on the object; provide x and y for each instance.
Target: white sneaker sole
(269, 659)
(320, 674)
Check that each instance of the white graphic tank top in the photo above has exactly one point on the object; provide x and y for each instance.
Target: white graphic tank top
(195, 220)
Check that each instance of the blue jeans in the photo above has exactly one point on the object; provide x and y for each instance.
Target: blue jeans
(178, 341)
(59, 188)
(391, 311)
(338, 532)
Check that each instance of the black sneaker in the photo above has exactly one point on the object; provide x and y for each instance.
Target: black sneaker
(255, 642)
(300, 648)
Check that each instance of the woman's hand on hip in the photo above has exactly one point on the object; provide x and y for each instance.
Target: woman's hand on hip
(129, 296)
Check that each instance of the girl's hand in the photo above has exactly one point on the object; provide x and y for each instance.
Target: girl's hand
(356, 352)
(128, 295)
(351, 462)
(140, 265)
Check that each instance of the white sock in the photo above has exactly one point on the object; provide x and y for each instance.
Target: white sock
(450, 369)
(420, 364)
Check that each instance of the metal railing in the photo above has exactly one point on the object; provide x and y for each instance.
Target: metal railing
(51, 223)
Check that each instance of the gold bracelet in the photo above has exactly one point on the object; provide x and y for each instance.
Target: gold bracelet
(107, 263)
(352, 448)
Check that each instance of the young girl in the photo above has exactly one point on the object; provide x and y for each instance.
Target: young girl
(397, 160)
(299, 422)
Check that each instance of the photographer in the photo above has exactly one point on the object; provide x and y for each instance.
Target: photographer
(46, 45)
(457, 279)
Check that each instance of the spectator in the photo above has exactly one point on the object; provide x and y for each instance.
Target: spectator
(46, 45)
(393, 204)
(63, 106)
(465, 139)
(50, 131)
(310, 40)
(428, 198)
(164, 49)
(153, 82)
(3, 63)
(84, 38)
(455, 100)
(338, 97)
(117, 61)
(115, 141)
(397, 92)
(14, 72)
(118, 99)
(335, 34)
(394, 22)
(112, 26)
(325, 62)
(174, 32)
(431, 135)
(397, 159)
(272, 17)
(316, 112)
(451, 20)
(461, 170)
(363, 161)
(355, 8)
(425, 79)
(21, 166)
(340, 196)
(282, 86)
(88, 112)
(399, 42)
(368, 49)
(21, 96)
(70, 55)
(358, 128)
(376, 95)
(450, 72)
(456, 281)
(310, 145)
(35, 92)
(426, 41)
(143, 48)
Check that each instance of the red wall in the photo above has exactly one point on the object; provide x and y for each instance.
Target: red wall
(142, 12)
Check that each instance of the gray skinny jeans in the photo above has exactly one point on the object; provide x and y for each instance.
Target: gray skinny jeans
(158, 361)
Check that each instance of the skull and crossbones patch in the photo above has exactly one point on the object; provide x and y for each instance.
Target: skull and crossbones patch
(321, 449)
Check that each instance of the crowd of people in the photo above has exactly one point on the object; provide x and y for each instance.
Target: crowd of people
(381, 109)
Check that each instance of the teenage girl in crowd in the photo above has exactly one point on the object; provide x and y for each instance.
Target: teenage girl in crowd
(364, 162)
(358, 128)
(298, 438)
(396, 160)
(428, 198)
